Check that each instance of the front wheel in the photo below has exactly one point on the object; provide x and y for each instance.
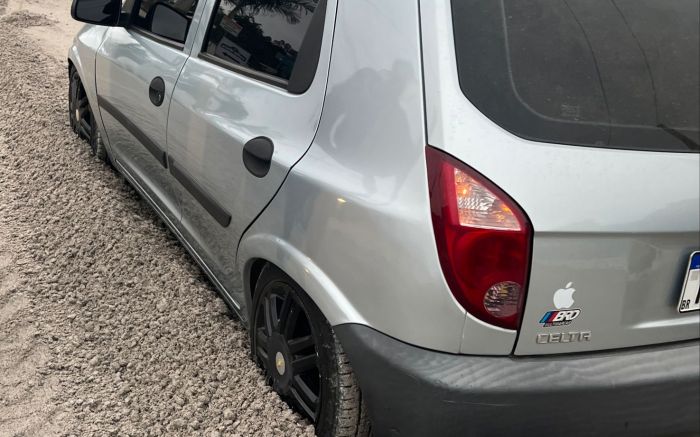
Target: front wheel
(302, 358)
(81, 117)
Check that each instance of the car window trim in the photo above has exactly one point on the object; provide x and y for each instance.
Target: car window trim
(269, 79)
(249, 72)
(157, 38)
(309, 56)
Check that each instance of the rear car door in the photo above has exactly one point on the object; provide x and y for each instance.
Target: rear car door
(245, 109)
(136, 70)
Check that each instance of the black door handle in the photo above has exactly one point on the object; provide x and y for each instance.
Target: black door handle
(156, 91)
(257, 155)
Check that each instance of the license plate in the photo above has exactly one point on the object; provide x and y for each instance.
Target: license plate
(690, 297)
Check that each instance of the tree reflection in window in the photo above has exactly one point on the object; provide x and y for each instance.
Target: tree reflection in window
(263, 35)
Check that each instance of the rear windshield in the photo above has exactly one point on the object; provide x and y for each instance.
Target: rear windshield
(606, 73)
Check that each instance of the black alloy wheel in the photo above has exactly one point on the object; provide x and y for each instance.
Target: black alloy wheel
(285, 345)
(79, 107)
(80, 115)
(302, 359)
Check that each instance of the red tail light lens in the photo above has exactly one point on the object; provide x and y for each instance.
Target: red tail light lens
(483, 240)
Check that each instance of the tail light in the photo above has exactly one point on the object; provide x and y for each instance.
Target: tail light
(483, 240)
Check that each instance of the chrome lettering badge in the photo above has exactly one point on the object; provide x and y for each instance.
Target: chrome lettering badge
(563, 337)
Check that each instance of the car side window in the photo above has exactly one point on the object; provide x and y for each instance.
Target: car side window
(267, 38)
(169, 19)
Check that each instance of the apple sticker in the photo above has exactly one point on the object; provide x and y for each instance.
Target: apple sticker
(564, 297)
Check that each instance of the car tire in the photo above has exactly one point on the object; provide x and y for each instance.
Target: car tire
(302, 358)
(97, 145)
(81, 118)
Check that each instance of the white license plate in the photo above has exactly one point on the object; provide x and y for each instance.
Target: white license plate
(690, 297)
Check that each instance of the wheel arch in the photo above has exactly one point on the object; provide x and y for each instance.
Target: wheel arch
(253, 269)
(260, 249)
(81, 56)
(77, 54)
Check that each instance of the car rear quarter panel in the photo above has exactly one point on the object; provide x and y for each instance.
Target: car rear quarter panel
(351, 224)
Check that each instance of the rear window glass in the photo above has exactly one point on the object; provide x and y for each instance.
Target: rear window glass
(263, 36)
(607, 73)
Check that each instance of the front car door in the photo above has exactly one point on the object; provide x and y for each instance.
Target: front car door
(256, 73)
(136, 70)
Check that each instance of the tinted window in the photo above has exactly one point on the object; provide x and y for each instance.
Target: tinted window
(608, 73)
(167, 18)
(263, 36)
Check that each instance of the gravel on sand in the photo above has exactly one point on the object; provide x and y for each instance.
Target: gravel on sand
(107, 327)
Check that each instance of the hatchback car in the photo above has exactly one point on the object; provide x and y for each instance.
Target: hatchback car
(435, 217)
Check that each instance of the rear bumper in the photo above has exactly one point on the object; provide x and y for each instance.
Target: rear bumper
(416, 392)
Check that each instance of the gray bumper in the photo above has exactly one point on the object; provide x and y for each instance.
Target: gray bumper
(416, 392)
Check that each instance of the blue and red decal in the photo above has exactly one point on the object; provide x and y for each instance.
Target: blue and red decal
(559, 317)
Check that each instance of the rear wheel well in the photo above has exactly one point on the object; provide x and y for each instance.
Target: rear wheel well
(319, 383)
(254, 274)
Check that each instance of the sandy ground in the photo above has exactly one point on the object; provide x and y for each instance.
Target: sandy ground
(56, 34)
(103, 331)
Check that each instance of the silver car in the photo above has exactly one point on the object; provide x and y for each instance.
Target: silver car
(435, 217)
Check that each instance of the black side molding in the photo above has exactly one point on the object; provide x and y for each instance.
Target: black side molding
(206, 200)
(151, 146)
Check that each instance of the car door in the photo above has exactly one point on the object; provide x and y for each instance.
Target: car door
(136, 70)
(245, 109)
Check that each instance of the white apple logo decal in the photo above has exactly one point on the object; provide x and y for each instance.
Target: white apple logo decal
(564, 297)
